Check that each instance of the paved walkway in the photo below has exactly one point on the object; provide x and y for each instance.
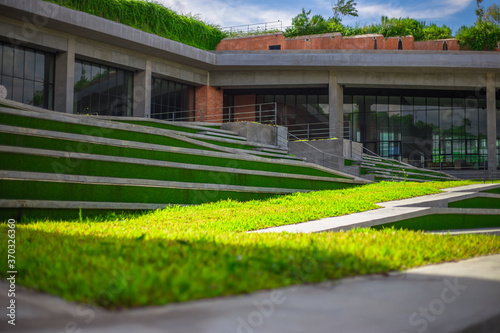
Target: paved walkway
(452, 297)
(398, 210)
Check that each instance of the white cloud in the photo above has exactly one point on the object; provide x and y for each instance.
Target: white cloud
(230, 12)
(422, 11)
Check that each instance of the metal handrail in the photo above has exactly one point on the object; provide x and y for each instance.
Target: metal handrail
(259, 113)
(274, 25)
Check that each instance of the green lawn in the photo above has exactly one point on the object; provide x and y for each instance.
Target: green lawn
(185, 253)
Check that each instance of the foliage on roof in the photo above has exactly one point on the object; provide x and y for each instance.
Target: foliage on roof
(152, 17)
(302, 24)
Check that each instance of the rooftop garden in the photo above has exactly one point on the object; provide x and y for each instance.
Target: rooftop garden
(152, 17)
(184, 253)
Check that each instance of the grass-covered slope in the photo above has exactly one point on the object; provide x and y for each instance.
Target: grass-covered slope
(184, 253)
(152, 17)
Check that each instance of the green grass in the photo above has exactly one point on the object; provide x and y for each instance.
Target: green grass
(438, 222)
(127, 135)
(152, 17)
(75, 166)
(480, 202)
(101, 149)
(185, 253)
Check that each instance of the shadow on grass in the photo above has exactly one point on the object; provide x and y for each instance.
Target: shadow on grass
(129, 272)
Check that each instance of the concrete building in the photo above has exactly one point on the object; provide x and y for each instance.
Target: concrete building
(438, 108)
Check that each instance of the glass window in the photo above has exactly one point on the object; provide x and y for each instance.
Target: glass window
(28, 75)
(102, 90)
(172, 100)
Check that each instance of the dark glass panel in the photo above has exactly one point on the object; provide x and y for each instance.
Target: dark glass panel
(78, 76)
(29, 65)
(39, 67)
(8, 61)
(39, 98)
(50, 65)
(19, 63)
(370, 103)
(17, 90)
(29, 91)
(483, 131)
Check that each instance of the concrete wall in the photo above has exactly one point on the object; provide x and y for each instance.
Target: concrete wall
(328, 153)
(259, 133)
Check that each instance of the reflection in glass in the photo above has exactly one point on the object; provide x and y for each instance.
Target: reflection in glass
(18, 75)
(102, 90)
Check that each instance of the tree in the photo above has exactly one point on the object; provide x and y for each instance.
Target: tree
(479, 11)
(343, 8)
(493, 14)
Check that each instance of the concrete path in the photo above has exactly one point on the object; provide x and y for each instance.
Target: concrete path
(398, 210)
(452, 297)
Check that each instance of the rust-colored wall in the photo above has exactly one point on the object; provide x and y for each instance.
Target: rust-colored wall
(333, 41)
(210, 101)
(246, 113)
(437, 45)
(251, 43)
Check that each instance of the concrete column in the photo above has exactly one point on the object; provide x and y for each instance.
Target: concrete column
(142, 92)
(492, 123)
(336, 101)
(65, 79)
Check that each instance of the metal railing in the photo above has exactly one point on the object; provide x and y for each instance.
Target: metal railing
(264, 113)
(255, 28)
(311, 131)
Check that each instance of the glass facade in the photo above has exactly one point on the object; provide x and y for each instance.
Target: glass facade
(102, 90)
(306, 112)
(433, 129)
(171, 100)
(28, 75)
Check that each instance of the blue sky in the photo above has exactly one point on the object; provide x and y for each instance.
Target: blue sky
(453, 13)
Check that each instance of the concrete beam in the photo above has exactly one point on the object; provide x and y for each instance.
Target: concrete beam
(268, 78)
(491, 106)
(336, 100)
(65, 79)
(411, 79)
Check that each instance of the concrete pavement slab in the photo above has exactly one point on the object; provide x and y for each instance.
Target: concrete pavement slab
(397, 210)
(451, 297)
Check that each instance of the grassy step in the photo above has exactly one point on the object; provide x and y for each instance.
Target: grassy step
(121, 134)
(409, 172)
(193, 157)
(401, 175)
(48, 190)
(142, 170)
(224, 136)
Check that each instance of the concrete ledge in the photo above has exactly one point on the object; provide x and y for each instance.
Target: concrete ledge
(112, 181)
(393, 211)
(48, 204)
(147, 146)
(138, 161)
